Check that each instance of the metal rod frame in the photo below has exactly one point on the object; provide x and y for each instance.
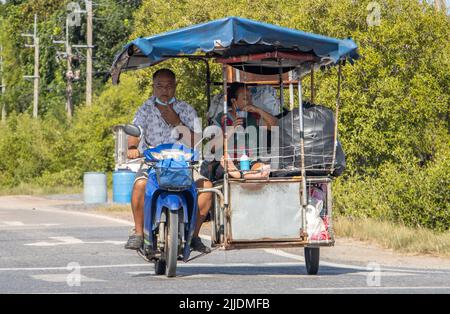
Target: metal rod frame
(338, 101)
(312, 84)
(225, 149)
(302, 157)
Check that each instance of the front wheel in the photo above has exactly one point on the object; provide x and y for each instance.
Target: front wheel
(160, 267)
(171, 247)
(312, 257)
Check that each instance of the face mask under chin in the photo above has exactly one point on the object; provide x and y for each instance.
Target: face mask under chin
(159, 101)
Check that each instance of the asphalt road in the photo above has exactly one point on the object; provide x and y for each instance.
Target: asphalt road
(49, 250)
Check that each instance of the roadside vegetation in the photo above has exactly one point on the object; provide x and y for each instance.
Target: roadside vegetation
(399, 238)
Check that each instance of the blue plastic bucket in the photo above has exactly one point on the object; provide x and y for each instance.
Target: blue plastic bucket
(123, 181)
(95, 188)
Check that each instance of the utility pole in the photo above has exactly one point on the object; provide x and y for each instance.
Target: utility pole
(69, 72)
(73, 19)
(2, 86)
(69, 75)
(89, 54)
(35, 77)
(89, 46)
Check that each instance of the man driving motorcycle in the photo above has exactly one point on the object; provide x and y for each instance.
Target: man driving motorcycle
(157, 118)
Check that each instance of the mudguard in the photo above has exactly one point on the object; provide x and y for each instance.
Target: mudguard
(172, 201)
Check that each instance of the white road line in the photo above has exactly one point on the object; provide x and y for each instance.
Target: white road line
(209, 265)
(65, 267)
(55, 293)
(180, 264)
(6, 224)
(63, 211)
(285, 254)
(140, 273)
(72, 241)
(187, 265)
(13, 223)
(372, 288)
(347, 266)
(384, 274)
(179, 276)
(63, 278)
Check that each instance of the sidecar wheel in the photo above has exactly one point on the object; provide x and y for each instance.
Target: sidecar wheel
(312, 257)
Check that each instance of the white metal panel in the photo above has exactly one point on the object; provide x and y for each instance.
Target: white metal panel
(265, 210)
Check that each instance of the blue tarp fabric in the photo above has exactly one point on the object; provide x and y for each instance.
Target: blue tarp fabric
(222, 37)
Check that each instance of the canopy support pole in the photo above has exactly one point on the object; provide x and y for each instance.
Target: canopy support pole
(336, 116)
(291, 107)
(226, 185)
(291, 91)
(208, 83)
(225, 133)
(304, 200)
(281, 85)
(312, 84)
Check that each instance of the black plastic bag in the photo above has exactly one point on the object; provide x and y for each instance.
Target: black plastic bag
(319, 141)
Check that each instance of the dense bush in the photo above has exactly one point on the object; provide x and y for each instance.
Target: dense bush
(24, 149)
(413, 196)
(57, 152)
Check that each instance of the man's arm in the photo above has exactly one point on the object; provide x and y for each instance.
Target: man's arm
(140, 120)
(133, 143)
(268, 119)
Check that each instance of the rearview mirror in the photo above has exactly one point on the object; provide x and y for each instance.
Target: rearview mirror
(133, 130)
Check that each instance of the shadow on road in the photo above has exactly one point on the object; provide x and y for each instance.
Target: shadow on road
(281, 271)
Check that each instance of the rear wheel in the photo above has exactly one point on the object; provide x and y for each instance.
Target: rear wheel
(312, 257)
(171, 247)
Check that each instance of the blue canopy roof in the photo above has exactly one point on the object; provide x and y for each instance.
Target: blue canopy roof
(228, 37)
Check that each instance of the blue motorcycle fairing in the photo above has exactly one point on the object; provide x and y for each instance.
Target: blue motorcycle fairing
(154, 202)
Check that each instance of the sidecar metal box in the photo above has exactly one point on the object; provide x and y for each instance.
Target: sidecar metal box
(266, 210)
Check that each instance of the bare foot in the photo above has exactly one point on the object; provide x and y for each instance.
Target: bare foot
(263, 172)
(232, 170)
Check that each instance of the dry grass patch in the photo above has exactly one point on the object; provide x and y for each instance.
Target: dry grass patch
(393, 236)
